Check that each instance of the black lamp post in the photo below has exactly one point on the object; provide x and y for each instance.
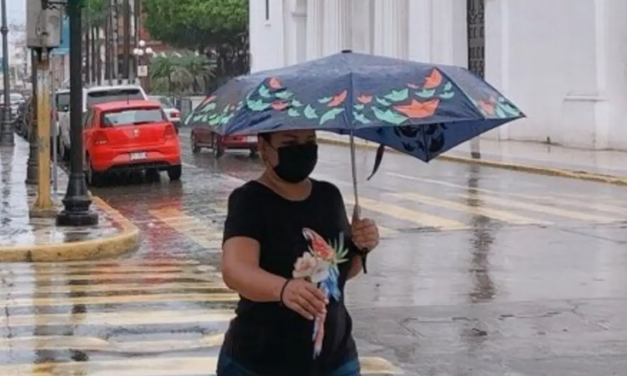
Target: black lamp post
(76, 203)
(6, 133)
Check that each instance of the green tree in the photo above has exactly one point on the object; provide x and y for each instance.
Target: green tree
(215, 28)
(186, 74)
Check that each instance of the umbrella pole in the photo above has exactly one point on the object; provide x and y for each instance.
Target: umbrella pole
(356, 209)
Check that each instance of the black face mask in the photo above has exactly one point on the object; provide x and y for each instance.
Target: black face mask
(296, 162)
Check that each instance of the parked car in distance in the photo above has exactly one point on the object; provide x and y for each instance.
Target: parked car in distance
(93, 96)
(203, 137)
(15, 100)
(174, 115)
(129, 136)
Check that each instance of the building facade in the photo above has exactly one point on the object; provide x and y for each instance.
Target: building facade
(563, 62)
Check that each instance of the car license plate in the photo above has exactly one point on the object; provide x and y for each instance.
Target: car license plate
(251, 139)
(138, 156)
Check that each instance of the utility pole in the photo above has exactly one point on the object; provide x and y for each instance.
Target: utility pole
(32, 176)
(116, 41)
(77, 202)
(7, 137)
(127, 40)
(43, 35)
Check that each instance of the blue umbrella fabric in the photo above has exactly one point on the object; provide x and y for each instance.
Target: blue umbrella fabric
(419, 109)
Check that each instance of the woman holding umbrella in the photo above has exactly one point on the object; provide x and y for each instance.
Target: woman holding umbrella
(288, 251)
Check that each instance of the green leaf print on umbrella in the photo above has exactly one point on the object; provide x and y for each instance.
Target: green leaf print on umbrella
(284, 94)
(398, 95)
(447, 95)
(326, 100)
(499, 112)
(310, 112)
(293, 112)
(383, 102)
(359, 107)
(330, 115)
(448, 86)
(264, 92)
(361, 118)
(389, 116)
(257, 105)
(426, 93)
(296, 103)
(512, 111)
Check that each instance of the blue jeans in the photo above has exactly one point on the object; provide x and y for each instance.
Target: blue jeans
(228, 367)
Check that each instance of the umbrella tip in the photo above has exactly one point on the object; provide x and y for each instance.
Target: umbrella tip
(347, 51)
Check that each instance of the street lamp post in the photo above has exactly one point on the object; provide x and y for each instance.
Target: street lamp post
(6, 133)
(77, 202)
(142, 55)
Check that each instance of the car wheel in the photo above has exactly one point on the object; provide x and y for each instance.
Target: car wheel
(195, 147)
(254, 153)
(175, 172)
(218, 147)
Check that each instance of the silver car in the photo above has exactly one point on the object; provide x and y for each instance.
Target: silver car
(173, 114)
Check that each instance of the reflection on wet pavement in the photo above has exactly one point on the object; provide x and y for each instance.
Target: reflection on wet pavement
(16, 199)
(481, 272)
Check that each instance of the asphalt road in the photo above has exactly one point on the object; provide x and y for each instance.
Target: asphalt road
(481, 272)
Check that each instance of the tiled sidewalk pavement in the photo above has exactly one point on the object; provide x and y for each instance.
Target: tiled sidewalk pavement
(39, 239)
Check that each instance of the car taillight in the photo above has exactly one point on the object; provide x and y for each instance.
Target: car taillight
(100, 138)
(170, 131)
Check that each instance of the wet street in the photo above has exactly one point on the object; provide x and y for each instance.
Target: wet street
(480, 272)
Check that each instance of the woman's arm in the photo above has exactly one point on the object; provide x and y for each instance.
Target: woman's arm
(356, 267)
(241, 271)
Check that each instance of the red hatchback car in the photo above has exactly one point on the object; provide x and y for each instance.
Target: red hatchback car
(203, 137)
(130, 135)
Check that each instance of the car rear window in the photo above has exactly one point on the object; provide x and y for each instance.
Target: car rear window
(134, 116)
(106, 96)
(63, 100)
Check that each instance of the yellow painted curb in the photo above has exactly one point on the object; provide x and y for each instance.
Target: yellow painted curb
(127, 240)
(572, 174)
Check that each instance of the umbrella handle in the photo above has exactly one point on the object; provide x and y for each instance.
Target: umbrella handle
(357, 209)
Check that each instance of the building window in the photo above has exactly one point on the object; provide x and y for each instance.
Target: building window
(267, 10)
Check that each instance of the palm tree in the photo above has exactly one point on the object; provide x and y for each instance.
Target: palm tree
(201, 69)
(180, 74)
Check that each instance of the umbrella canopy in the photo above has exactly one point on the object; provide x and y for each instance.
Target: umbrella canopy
(419, 109)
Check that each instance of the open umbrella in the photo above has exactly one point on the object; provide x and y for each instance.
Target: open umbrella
(419, 109)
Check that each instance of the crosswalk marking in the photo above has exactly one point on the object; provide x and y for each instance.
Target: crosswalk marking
(121, 318)
(118, 287)
(421, 219)
(120, 299)
(473, 210)
(201, 232)
(564, 199)
(206, 277)
(43, 270)
(542, 209)
(42, 343)
(187, 366)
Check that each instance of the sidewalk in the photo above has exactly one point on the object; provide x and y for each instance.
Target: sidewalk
(601, 166)
(39, 239)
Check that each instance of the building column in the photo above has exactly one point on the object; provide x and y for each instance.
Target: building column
(420, 28)
(337, 26)
(391, 28)
(361, 26)
(315, 28)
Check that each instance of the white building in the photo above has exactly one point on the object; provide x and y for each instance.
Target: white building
(564, 62)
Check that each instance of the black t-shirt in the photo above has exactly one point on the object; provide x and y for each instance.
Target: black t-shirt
(268, 338)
